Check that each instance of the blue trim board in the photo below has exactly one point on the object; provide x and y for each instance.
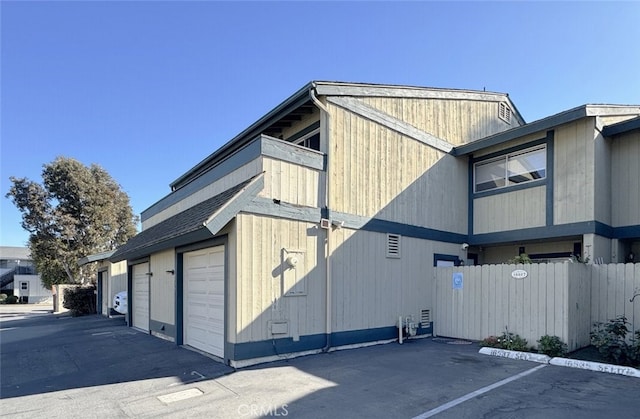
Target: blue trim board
(129, 314)
(450, 258)
(547, 232)
(549, 179)
(250, 350)
(550, 255)
(161, 327)
(508, 150)
(627, 232)
(179, 298)
(518, 132)
(621, 127)
(384, 226)
(470, 199)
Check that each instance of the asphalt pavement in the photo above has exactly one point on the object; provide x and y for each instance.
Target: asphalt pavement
(57, 366)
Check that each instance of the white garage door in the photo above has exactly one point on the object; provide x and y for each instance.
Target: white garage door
(140, 297)
(204, 300)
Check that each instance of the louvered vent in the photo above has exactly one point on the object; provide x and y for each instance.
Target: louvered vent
(504, 112)
(425, 317)
(393, 245)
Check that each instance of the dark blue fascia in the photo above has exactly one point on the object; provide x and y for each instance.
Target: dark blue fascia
(161, 327)
(383, 226)
(549, 178)
(542, 233)
(519, 132)
(251, 350)
(621, 127)
(626, 232)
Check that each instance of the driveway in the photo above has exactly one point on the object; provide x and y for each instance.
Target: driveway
(59, 366)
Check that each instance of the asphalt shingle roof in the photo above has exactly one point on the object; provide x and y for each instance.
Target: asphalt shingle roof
(188, 221)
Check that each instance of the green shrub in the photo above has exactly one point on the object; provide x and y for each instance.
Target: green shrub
(507, 340)
(80, 301)
(522, 258)
(552, 346)
(12, 299)
(610, 339)
(491, 342)
(3, 297)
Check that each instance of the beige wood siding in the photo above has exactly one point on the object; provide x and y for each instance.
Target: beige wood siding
(510, 211)
(117, 280)
(377, 172)
(291, 183)
(574, 172)
(370, 290)
(602, 178)
(263, 279)
(232, 179)
(162, 291)
(625, 180)
(457, 121)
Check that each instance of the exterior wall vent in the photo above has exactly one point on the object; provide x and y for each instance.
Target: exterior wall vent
(425, 317)
(393, 245)
(504, 112)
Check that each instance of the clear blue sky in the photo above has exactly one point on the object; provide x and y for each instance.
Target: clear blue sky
(146, 90)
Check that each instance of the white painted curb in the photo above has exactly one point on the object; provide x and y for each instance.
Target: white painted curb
(596, 366)
(525, 356)
(562, 362)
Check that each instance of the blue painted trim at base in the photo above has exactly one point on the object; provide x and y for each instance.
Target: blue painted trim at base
(161, 327)
(251, 350)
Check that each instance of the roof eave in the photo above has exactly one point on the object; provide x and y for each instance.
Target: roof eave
(621, 127)
(97, 257)
(247, 135)
(517, 132)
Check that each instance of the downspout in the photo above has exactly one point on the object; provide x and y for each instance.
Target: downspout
(328, 304)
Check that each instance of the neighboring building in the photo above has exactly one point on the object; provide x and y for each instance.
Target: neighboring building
(320, 225)
(111, 279)
(18, 276)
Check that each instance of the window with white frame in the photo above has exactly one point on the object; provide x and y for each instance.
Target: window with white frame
(511, 169)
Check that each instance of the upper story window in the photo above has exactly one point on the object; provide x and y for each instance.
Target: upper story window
(310, 140)
(511, 169)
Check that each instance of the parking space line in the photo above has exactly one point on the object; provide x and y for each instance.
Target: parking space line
(476, 393)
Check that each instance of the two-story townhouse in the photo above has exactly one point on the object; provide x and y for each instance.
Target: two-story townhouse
(566, 186)
(318, 226)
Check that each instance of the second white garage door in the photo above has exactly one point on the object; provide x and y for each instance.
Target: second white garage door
(141, 296)
(204, 300)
